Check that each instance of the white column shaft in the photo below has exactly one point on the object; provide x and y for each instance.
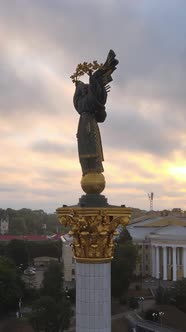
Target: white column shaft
(170, 255)
(153, 257)
(164, 263)
(93, 297)
(174, 264)
(157, 263)
(184, 262)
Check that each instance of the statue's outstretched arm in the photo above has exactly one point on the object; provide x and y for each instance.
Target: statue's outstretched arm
(105, 72)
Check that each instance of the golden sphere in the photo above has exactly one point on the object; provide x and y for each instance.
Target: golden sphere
(93, 183)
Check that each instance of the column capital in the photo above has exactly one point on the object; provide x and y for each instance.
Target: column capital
(93, 230)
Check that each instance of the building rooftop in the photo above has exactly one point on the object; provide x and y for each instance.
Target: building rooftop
(7, 237)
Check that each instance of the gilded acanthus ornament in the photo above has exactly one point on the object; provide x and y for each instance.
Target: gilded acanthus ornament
(93, 230)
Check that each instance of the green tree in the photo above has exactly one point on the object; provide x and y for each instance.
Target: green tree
(17, 251)
(65, 313)
(50, 316)
(133, 303)
(45, 248)
(27, 221)
(179, 293)
(11, 285)
(53, 281)
(163, 295)
(123, 264)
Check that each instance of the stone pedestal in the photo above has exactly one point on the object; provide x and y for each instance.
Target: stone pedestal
(93, 298)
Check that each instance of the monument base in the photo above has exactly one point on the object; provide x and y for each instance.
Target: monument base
(93, 200)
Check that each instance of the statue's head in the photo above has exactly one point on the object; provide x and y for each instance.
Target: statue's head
(82, 87)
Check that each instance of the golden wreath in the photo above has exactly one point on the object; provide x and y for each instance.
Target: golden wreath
(85, 68)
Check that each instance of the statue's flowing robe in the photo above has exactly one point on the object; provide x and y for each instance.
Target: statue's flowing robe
(89, 101)
(91, 111)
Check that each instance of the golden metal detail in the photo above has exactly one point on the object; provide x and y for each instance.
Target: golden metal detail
(85, 68)
(93, 230)
(93, 183)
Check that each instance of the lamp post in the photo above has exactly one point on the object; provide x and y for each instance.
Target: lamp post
(20, 304)
(161, 314)
(141, 299)
(159, 273)
(155, 316)
(67, 293)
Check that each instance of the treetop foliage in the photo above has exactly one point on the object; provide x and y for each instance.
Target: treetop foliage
(123, 264)
(27, 221)
(11, 285)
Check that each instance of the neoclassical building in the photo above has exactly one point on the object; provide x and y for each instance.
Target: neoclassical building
(168, 248)
(161, 242)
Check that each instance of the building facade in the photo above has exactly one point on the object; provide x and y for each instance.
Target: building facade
(4, 225)
(161, 242)
(68, 259)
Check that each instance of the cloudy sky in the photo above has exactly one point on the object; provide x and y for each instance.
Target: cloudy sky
(144, 135)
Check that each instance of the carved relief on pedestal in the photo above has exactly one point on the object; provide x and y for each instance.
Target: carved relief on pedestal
(93, 230)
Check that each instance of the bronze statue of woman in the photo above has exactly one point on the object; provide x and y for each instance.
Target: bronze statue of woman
(89, 101)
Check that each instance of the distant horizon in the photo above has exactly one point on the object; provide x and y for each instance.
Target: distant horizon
(50, 212)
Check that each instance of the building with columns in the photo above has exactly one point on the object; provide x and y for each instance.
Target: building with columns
(161, 242)
(168, 248)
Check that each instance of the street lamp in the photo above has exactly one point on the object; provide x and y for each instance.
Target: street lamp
(159, 273)
(161, 314)
(67, 293)
(20, 304)
(155, 316)
(141, 299)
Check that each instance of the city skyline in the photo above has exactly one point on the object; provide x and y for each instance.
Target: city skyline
(144, 134)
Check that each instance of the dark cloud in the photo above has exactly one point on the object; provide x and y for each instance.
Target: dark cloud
(53, 173)
(59, 177)
(8, 188)
(18, 92)
(48, 147)
(181, 194)
(132, 130)
(149, 39)
(12, 188)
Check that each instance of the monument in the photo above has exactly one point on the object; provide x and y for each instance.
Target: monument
(93, 222)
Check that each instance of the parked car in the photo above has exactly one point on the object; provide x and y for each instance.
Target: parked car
(29, 272)
(32, 268)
